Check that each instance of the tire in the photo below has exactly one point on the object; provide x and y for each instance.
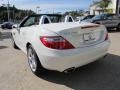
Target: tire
(13, 43)
(33, 61)
(118, 27)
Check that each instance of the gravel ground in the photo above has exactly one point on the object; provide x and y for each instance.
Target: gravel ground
(100, 75)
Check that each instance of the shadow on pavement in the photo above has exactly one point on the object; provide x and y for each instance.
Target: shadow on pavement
(5, 35)
(114, 31)
(3, 47)
(100, 75)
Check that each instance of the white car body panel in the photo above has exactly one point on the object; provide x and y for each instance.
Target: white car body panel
(65, 59)
(61, 60)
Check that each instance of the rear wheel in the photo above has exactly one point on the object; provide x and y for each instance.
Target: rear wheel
(33, 61)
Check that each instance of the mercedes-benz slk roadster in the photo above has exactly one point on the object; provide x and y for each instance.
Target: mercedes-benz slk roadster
(54, 43)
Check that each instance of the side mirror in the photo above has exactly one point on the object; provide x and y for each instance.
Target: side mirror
(15, 26)
(80, 20)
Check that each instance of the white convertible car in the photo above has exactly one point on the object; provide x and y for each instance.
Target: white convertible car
(53, 43)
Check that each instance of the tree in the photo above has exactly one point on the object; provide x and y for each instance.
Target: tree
(75, 13)
(103, 4)
(15, 14)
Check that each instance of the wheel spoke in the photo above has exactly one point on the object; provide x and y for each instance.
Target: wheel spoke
(31, 59)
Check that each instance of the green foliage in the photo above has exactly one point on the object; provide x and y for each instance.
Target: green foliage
(15, 14)
(104, 4)
(75, 13)
(109, 11)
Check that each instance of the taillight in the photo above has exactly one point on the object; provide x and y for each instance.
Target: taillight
(106, 37)
(56, 42)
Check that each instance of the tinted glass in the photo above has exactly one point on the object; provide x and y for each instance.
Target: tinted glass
(116, 17)
(70, 19)
(46, 21)
(100, 17)
(89, 17)
(55, 19)
(29, 22)
(109, 17)
(97, 17)
(34, 20)
(112, 16)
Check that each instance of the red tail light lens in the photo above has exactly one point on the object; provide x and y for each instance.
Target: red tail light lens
(107, 37)
(56, 42)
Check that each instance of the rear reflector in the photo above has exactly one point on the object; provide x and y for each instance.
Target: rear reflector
(56, 42)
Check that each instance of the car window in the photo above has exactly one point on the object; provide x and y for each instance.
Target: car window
(55, 19)
(31, 21)
(116, 17)
(112, 17)
(109, 17)
(89, 17)
(98, 17)
(103, 16)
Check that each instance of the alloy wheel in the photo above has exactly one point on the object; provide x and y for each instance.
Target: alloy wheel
(32, 60)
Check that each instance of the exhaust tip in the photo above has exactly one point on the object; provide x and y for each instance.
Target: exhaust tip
(70, 70)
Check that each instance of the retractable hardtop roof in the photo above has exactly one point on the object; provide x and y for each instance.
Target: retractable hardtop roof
(59, 15)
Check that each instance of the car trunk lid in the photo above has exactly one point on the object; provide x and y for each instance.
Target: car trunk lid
(79, 35)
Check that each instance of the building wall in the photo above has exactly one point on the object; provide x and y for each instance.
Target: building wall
(113, 5)
(94, 10)
(118, 7)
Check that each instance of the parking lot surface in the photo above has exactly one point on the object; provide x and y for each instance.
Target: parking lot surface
(100, 75)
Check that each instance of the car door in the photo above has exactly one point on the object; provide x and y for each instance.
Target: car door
(108, 21)
(16, 35)
(105, 21)
(26, 30)
(115, 20)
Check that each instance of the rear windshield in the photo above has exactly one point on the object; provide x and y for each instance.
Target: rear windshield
(55, 19)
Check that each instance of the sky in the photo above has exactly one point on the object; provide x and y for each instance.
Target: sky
(49, 6)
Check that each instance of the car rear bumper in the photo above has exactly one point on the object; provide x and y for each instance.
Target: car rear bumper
(74, 58)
